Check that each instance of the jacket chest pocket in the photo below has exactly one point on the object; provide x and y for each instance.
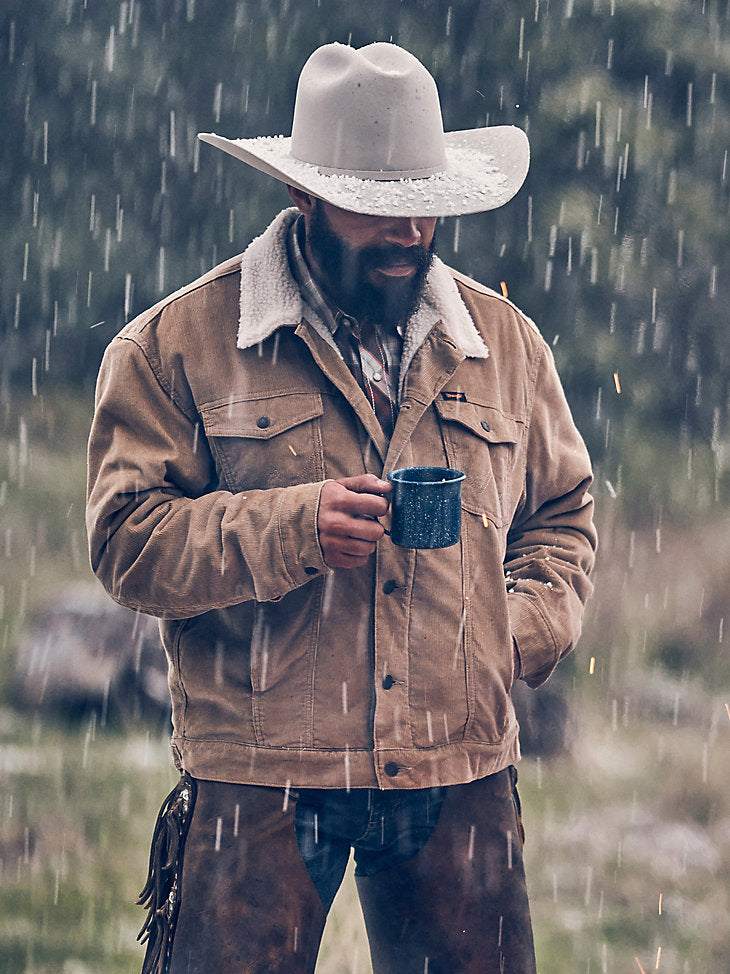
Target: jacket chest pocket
(271, 441)
(483, 442)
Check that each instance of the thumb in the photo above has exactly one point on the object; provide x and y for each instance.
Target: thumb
(366, 483)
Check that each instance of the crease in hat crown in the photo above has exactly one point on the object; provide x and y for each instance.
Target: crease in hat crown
(368, 136)
(372, 112)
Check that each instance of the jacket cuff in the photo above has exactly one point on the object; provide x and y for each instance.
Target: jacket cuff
(299, 536)
(536, 649)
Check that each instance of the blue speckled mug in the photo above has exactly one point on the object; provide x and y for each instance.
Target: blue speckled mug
(425, 506)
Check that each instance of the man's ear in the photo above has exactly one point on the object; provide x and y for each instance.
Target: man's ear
(304, 202)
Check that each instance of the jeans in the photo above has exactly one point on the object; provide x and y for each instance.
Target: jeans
(383, 828)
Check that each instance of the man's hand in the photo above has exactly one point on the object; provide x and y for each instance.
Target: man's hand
(348, 531)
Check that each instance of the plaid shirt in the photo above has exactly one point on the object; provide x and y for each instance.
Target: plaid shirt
(345, 329)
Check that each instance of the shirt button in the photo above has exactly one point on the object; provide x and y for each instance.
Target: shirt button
(391, 769)
(388, 682)
(311, 570)
(262, 422)
(377, 376)
(486, 427)
(390, 586)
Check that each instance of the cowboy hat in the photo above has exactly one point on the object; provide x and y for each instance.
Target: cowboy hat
(367, 136)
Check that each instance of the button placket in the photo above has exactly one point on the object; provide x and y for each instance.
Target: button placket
(391, 727)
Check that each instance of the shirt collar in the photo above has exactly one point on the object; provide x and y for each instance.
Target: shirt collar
(270, 297)
(311, 292)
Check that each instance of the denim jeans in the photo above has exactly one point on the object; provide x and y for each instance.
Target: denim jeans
(383, 828)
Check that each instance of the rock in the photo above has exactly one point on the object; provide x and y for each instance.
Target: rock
(84, 652)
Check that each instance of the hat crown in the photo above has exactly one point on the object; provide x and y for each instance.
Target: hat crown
(373, 111)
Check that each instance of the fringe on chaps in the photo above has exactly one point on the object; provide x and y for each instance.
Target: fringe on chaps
(161, 894)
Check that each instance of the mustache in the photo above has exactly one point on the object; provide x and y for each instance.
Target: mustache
(393, 255)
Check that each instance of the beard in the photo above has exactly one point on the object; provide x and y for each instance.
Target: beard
(346, 269)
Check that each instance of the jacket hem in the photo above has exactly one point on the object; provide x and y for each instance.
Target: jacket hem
(279, 767)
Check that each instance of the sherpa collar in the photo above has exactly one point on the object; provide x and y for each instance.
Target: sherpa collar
(270, 298)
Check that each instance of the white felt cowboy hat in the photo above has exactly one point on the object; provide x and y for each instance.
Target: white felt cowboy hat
(367, 136)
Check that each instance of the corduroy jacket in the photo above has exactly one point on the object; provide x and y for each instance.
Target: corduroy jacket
(220, 413)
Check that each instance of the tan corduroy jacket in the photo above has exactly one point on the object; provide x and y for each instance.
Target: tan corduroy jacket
(219, 415)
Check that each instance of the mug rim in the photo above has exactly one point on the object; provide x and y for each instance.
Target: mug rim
(454, 476)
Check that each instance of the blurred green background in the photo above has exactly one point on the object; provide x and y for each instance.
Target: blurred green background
(617, 246)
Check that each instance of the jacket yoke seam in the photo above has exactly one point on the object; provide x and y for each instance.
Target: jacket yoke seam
(155, 368)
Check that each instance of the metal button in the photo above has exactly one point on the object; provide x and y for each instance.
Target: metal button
(388, 682)
(391, 769)
(262, 422)
(377, 376)
(486, 426)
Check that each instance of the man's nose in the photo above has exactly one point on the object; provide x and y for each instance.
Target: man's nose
(404, 231)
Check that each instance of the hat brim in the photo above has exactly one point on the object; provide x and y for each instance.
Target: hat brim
(484, 169)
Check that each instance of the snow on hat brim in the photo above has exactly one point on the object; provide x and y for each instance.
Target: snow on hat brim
(485, 167)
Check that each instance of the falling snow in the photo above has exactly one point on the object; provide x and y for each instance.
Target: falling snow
(617, 247)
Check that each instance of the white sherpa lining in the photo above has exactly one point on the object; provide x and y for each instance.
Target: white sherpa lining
(270, 298)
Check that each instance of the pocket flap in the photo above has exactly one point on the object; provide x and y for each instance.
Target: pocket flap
(486, 422)
(261, 418)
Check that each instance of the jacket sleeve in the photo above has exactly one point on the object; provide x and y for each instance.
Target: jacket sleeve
(552, 540)
(163, 539)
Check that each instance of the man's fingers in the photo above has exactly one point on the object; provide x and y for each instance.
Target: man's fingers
(366, 483)
(355, 547)
(361, 528)
(347, 519)
(337, 496)
(364, 505)
(344, 551)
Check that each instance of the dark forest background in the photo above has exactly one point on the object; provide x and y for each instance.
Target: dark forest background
(616, 246)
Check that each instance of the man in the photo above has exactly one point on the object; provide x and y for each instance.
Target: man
(331, 690)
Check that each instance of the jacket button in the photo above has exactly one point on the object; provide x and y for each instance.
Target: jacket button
(486, 427)
(311, 570)
(262, 422)
(388, 682)
(391, 769)
(390, 586)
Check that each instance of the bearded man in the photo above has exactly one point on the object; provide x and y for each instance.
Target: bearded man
(331, 690)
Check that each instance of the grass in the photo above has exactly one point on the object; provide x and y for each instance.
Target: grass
(623, 855)
(42, 494)
(628, 830)
(75, 819)
(628, 849)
